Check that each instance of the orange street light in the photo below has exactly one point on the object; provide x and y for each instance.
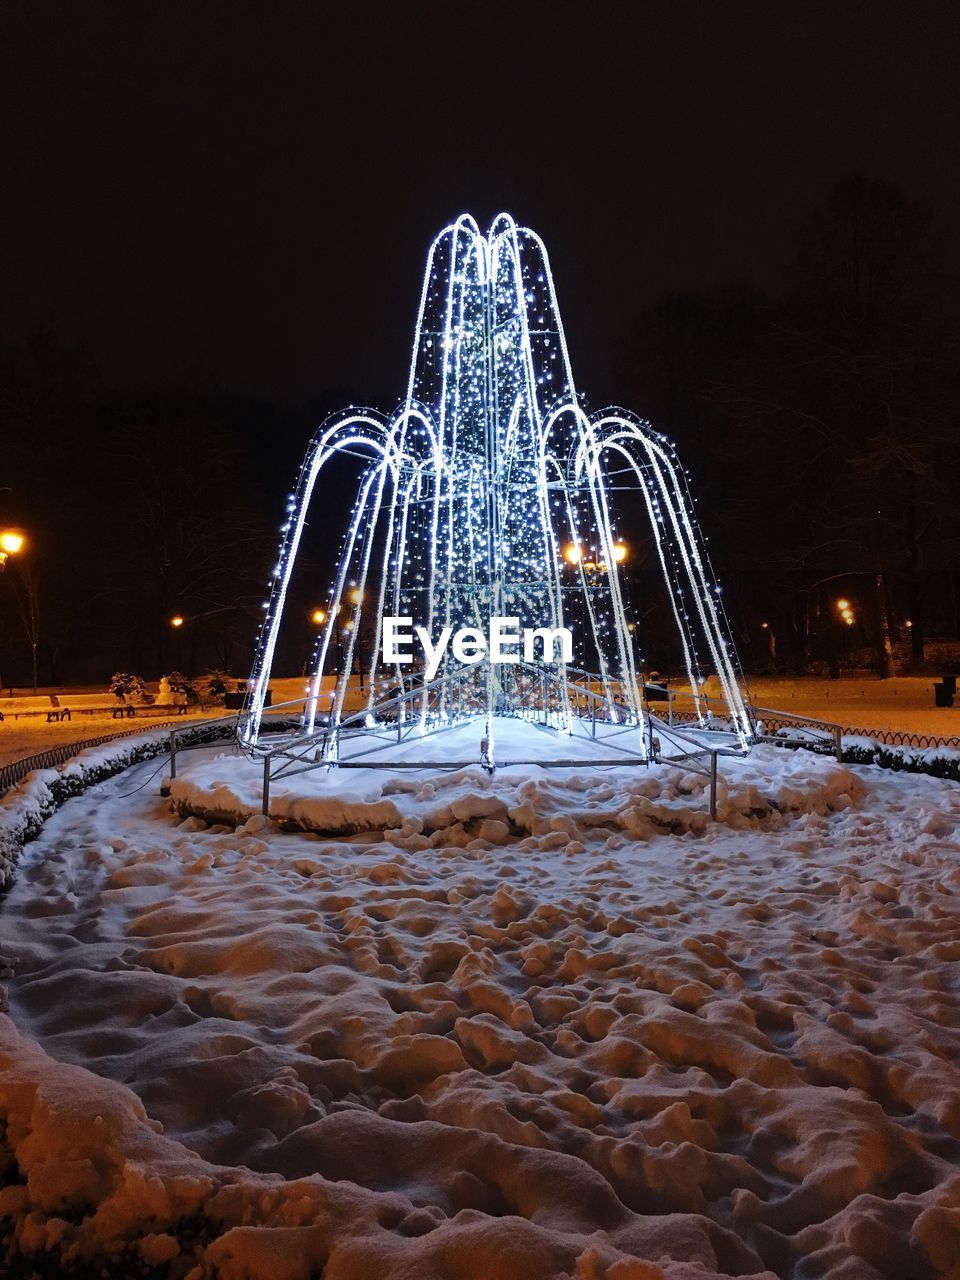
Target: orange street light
(356, 596)
(620, 552)
(11, 542)
(318, 617)
(572, 554)
(177, 620)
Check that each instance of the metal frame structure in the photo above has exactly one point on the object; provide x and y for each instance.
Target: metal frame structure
(490, 491)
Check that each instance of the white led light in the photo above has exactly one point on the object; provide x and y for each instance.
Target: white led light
(474, 491)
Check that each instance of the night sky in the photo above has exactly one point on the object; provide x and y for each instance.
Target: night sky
(249, 189)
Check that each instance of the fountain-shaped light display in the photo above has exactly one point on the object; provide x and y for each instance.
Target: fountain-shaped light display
(491, 492)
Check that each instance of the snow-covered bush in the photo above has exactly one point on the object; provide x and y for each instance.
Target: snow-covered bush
(26, 807)
(179, 683)
(939, 762)
(212, 686)
(124, 685)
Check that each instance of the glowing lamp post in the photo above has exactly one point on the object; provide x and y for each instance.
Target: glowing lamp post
(591, 560)
(11, 544)
(845, 609)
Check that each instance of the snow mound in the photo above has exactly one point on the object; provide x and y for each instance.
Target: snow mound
(421, 807)
(564, 1027)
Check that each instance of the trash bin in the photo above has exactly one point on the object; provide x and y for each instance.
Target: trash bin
(944, 691)
(234, 701)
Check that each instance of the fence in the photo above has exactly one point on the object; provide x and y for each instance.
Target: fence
(12, 772)
(772, 722)
(889, 737)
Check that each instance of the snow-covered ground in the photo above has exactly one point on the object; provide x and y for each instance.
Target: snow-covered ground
(576, 1030)
(904, 703)
(30, 735)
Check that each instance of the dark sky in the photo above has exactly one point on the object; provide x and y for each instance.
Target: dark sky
(250, 188)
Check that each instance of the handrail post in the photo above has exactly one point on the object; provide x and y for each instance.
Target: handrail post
(265, 802)
(173, 754)
(713, 786)
(837, 744)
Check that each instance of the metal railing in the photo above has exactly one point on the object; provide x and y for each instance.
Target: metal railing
(272, 723)
(420, 711)
(777, 721)
(786, 718)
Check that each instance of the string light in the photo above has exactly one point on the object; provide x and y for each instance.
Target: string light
(488, 492)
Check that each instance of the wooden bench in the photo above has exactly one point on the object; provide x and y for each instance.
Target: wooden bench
(31, 705)
(90, 704)
(64, 706)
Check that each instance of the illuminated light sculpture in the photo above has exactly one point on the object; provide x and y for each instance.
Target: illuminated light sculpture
(490, 491)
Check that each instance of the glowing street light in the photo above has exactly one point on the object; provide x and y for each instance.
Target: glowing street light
(11, 544)
(177, 620)
(575, 555)
(356, 596)
(318, 617)
(846, 612)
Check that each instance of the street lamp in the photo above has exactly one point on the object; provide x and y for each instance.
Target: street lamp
(318, 617)
(11, 544)
(177, 620)
(591, 560)
(845, 609)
